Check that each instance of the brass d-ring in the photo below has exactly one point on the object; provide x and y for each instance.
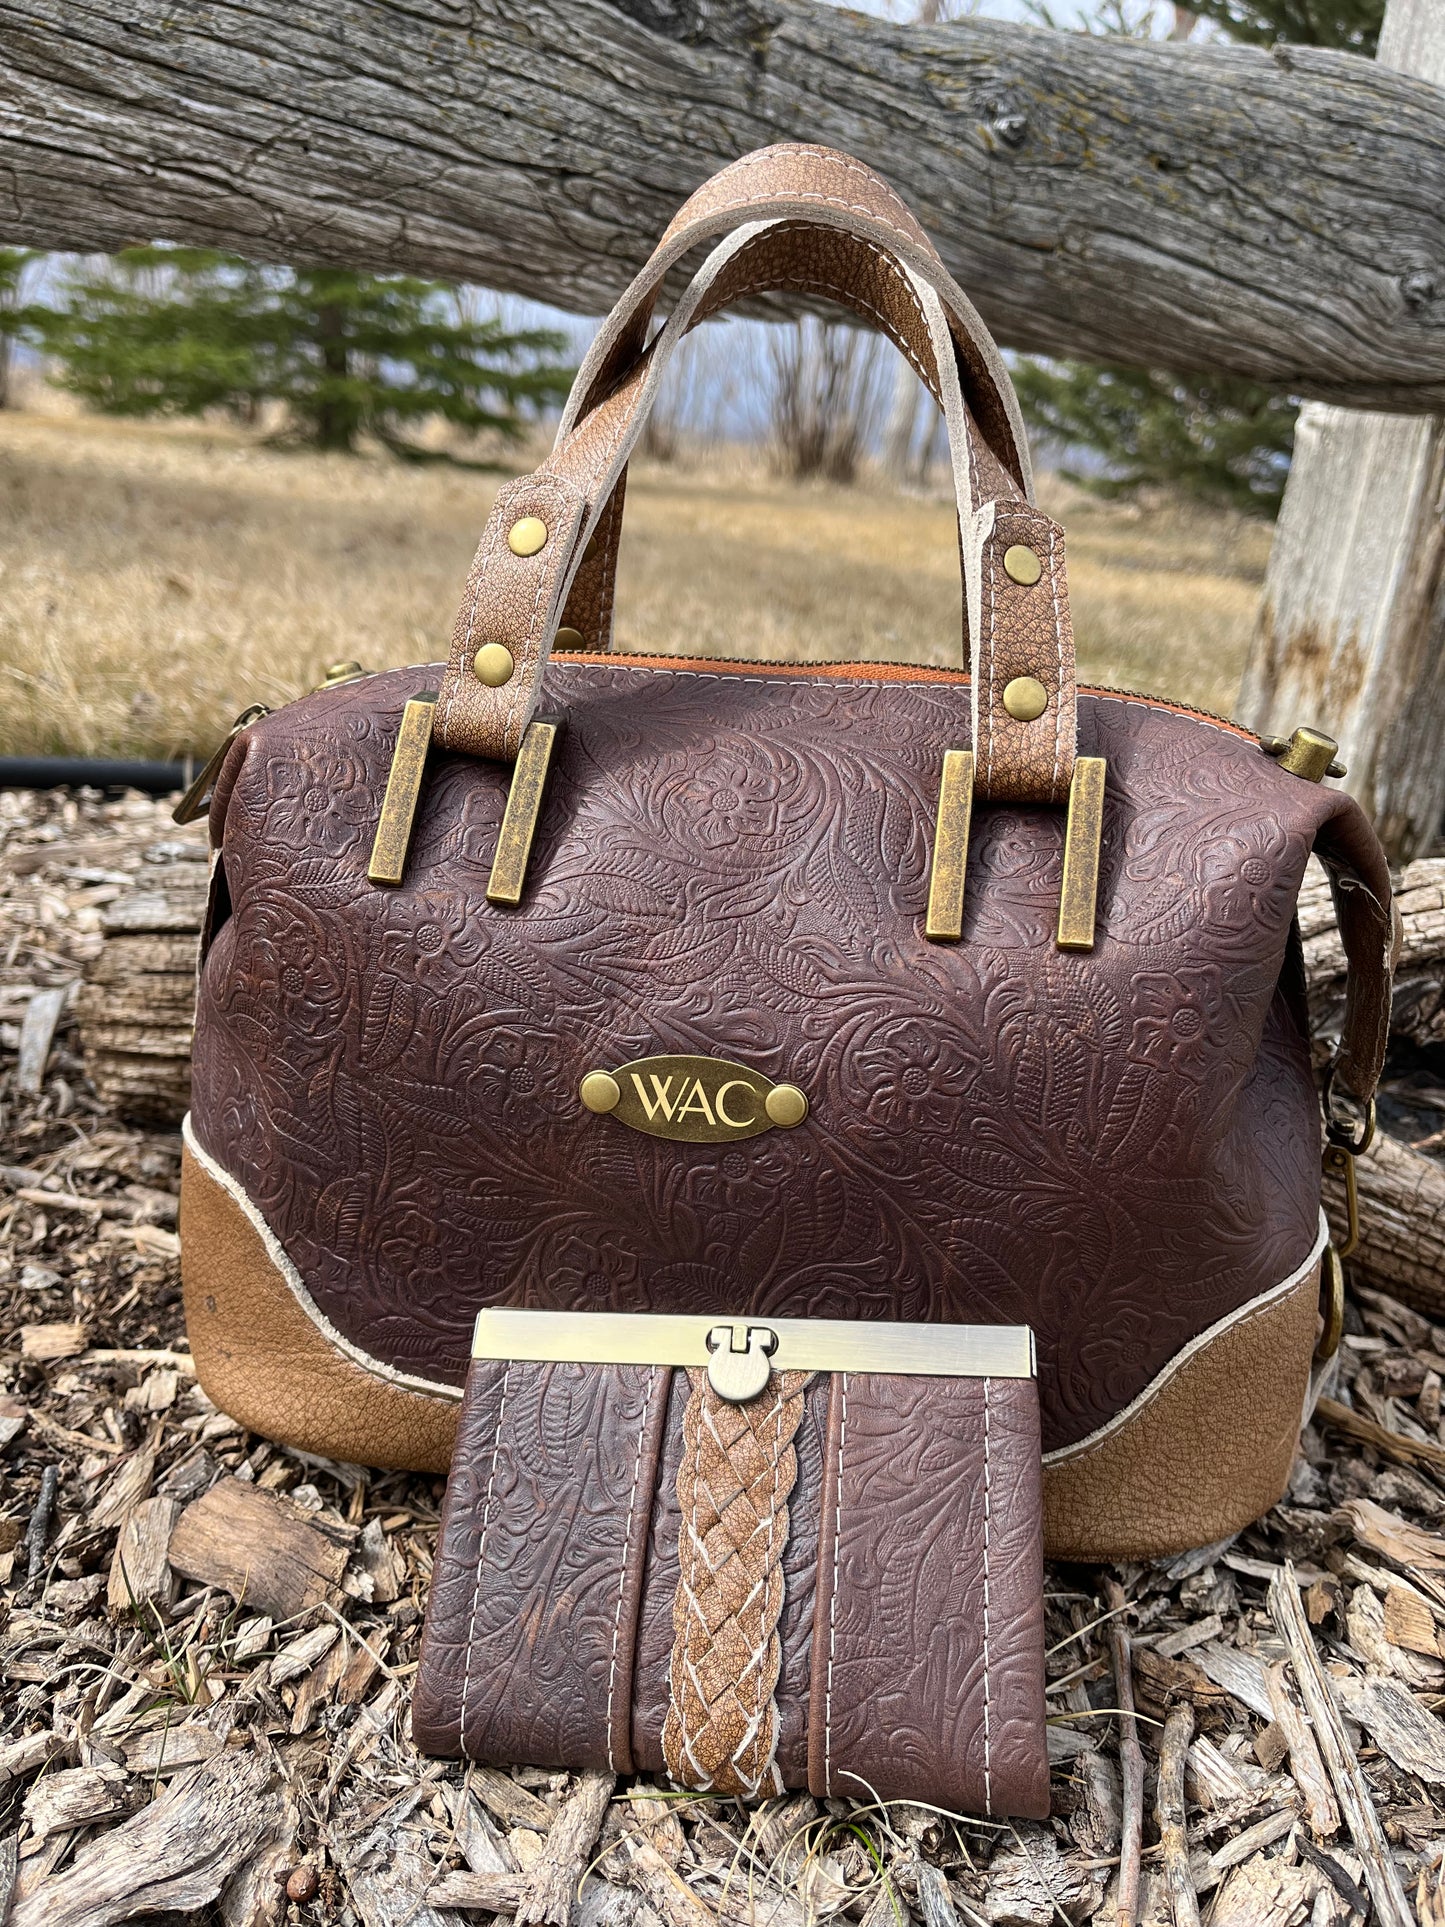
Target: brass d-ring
(1332, 1305)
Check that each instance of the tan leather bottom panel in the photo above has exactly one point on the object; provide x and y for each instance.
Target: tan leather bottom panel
(1207, 1453)
(265, 1361)
(1210, 1450)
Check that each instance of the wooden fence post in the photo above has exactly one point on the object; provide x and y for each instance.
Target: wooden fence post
(1351, 633)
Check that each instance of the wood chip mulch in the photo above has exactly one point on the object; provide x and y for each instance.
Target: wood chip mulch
(207, 1640)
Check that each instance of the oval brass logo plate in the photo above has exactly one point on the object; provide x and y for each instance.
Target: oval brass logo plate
(693, 1100)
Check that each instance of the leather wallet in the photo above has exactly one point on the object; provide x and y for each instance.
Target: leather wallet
(746, 1554)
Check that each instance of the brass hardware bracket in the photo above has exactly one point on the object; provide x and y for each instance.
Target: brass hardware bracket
(337, 674)
(193, 803)
(403, 788)
(944, 921)
(524, 807)
(1308, 753)
(1083, 839)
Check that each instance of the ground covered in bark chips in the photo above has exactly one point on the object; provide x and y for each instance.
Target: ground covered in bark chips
(207, 1640)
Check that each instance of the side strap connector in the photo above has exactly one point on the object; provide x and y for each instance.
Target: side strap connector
(193, 803)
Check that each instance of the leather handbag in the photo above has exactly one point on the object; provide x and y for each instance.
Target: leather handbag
(559, 978)
(746, 1555)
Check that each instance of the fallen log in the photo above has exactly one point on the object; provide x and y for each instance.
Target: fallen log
(1418, 1010)
(1272, 214)
(1402, 1224)
(136, 1008)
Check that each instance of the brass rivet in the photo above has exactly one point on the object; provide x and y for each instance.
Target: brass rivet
(1020, 564)
(786, 1106)
(600, 1092)
(570, 639)
(1025, 698)
(526, 536)
(493, 664)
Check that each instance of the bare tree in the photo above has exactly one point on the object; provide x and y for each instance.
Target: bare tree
(825, 397)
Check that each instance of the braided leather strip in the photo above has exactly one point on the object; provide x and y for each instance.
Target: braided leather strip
(734, 1480)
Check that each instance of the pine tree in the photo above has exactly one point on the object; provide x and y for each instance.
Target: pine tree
(1351, 24)
(179, 331)
(1220, 439)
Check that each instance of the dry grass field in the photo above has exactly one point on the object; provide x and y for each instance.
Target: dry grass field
(156, 579)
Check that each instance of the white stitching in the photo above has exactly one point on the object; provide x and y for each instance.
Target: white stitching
(622, 1576)
(680, 1646)
(833, 1602)
(990, 615)
(481, 1556)
(1059, 640)
(1144, 702)
(987, 1689)
(772, 1706)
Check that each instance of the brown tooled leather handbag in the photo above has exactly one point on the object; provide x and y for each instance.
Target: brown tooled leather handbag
(579, 981)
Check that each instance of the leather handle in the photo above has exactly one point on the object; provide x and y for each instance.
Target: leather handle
(1018, 624)
(830, 264)
(811, 187)
(817, 187)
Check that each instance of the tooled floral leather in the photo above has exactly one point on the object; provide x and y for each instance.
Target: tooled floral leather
(911, 1652)
(538, 1582)
(1116, 1147)
(928, 1622)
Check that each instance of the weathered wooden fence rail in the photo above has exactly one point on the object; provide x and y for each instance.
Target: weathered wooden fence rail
(1213, 208)
(1352, 622)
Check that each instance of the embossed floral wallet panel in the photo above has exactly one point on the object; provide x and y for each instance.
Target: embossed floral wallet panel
(747, 1555)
